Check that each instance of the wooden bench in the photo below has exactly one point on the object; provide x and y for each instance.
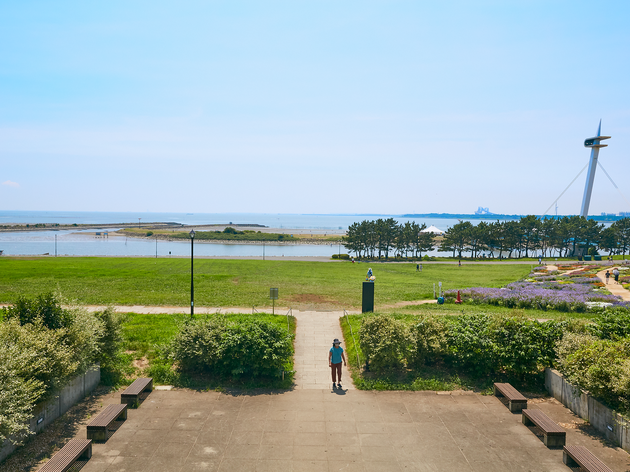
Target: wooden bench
(131, 396)
(97, 428)
(67, 455)
(553, 435)
(516, 401)
(579, 456)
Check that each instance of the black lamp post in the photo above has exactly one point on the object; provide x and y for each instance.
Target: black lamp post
(192, 285)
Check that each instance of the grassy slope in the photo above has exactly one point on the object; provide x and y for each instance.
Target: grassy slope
(147, 281)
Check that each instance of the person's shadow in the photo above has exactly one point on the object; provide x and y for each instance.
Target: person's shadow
(339, 391)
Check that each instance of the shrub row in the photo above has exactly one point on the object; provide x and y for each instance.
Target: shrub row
(593, 355)
(598, 366)
(230, 348)
(479, 343)
(42, 346)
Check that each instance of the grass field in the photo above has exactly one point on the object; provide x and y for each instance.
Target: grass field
(316, 285)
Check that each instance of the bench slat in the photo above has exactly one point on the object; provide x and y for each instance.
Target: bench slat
(543, 421)
(107, 416)
(67, 455)
(585, 459)
(509, 392)
(138, 386)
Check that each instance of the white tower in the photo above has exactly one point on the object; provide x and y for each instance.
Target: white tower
(594, 143)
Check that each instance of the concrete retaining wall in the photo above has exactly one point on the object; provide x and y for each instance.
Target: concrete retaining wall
(614, 426)
(47, 412)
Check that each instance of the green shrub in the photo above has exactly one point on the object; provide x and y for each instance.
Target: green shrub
(341, 256)
(111, 339)
(385, 341)
(17, 398)
(43, 355)
(230, 348)
(601, 367)
(570, 343)
(471, 344)
(149, 233)
(42, 346)
(525, 346)
(429, 341)
(45, 308)
(612, 323)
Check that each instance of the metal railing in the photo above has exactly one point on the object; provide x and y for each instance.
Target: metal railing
(356, 349)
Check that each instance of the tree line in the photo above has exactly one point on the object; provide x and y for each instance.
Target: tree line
(371, 238)
(530, 236)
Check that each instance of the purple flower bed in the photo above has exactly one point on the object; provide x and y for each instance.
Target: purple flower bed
(585, 280)
(543, 296)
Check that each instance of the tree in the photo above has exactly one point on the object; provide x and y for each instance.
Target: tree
(623, 228)
(457, 237)
(529, 226)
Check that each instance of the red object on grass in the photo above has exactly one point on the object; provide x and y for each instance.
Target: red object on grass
(459, 299)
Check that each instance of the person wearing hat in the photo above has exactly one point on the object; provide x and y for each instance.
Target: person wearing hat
(335, 357)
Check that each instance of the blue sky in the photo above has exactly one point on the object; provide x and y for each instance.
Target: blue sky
(311, 107)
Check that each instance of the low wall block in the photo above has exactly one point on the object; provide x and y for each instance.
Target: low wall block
(614, 426)
(47, 412)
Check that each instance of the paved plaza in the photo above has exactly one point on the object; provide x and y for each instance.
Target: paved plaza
(323, 430)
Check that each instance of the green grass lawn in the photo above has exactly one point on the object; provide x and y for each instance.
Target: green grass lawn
(149, 281)
(144, 334)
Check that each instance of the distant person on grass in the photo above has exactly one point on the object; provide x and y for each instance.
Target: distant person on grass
(335, 356)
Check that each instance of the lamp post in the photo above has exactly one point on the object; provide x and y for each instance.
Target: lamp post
(192, 286)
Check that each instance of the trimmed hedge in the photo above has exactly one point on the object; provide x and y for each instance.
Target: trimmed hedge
(230, 348)
(478, 343)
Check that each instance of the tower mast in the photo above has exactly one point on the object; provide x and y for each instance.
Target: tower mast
(595, 144)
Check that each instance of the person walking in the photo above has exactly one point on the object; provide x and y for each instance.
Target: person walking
(616, 274)
(607, 276)
(335, 357)
(417, 267)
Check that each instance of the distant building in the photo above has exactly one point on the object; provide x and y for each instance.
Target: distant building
(625, 214)
(483, 211)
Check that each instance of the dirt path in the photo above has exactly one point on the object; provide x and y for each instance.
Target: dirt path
(612, 286)
(409, 303)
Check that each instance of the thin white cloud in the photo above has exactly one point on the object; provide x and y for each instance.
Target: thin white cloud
(10, 183)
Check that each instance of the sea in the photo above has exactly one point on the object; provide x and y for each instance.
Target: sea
(86, 243)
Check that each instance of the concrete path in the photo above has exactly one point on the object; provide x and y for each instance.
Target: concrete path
(612, 286)
(313, 340)
(321, 430)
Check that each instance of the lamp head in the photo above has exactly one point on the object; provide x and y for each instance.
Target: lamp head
(192, 234)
